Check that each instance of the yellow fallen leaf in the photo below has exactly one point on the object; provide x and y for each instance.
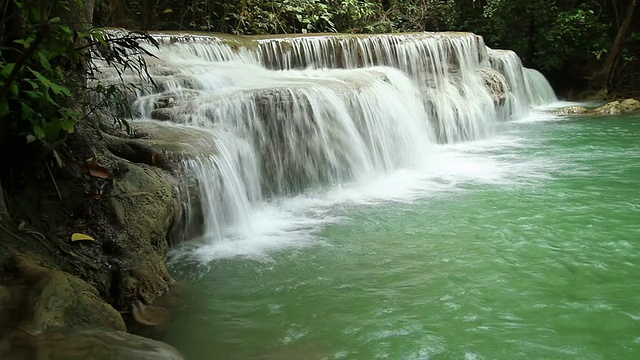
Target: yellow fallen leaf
(80, 237)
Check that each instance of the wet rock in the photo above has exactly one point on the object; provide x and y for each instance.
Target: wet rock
(613, 108)
(497, 85)
(61, 299)
(143, 202)
(169, 99)
(163, 145)
(619, 107)
(178, 114)
(610, 108)
(84, 344)
(150, 315)
(630, 105)
(162, 114)
(571, 110)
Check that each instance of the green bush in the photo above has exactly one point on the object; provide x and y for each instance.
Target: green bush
(44, 67)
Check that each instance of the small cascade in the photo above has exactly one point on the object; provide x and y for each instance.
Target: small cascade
(296, 113)
(539, 91)
(528, 87)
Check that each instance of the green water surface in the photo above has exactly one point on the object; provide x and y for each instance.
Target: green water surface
(540, 269)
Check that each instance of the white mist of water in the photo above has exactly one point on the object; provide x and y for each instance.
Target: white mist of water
(303, 124)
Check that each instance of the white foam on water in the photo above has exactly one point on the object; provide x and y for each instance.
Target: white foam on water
(544, 113)
(295, 222)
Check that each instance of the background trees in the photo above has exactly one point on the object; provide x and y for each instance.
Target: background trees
(577, 44)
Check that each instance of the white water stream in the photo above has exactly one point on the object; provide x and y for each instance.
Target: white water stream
(304, 123)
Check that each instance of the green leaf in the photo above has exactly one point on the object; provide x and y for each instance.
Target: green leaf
(68, 125)
(44, 61)
(43, 80)
(37, 130)
(27, 111)
(25, 42)
(32, 83)
(57, 89)
(67, 31)
(98, 35)
(4, 107)
(33, 94)
(51, 130)
(6, 71)
(14, 89)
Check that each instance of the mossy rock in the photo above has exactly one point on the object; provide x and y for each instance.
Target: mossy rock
(58, 299)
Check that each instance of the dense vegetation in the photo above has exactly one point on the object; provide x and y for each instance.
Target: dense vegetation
(44, 68)
(43, 64)
(579, 44)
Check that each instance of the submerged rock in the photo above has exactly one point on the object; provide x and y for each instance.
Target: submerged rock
(84, 344)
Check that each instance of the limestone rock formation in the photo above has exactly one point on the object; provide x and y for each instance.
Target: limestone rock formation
(613, 108)
(619, 107)
(570, 110)
(497, 85)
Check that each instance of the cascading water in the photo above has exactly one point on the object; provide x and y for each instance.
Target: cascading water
(528, 87)
(297, 113)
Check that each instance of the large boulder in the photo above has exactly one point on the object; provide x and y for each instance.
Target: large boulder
(56, 298)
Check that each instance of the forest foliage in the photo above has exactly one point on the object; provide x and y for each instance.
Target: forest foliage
(45, 64)
(45, 46)
(564, 38)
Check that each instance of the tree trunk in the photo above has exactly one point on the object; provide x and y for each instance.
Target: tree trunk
(148, 12)
(618, 45)
(118, 14)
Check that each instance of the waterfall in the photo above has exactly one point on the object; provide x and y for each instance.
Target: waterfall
(539, 91)
(302, 112)
(527, 86)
